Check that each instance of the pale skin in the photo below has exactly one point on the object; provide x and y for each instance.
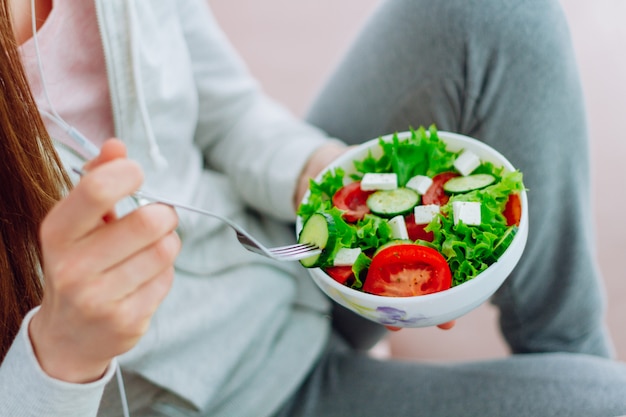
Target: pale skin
(105, 276)
(21, 13)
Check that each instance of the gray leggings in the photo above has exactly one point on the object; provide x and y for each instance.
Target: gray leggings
(502, 71)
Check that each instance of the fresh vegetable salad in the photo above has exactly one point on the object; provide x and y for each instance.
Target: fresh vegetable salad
(416, 220)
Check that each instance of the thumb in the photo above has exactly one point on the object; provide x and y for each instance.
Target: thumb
(110, 150)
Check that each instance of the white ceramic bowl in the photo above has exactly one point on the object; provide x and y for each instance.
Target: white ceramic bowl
(440, 307)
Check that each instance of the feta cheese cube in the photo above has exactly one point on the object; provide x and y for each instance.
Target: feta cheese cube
(346, 256)
(466, 211)
(373, 181)
(398, 228)
(420, 183)
(425, 214)
(467, 162)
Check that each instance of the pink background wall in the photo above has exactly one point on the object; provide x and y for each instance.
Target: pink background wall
(292, 46)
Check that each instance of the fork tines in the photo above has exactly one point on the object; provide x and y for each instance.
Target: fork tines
(294, 249)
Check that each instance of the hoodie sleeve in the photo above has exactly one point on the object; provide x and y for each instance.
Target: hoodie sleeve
(27, 391)
(260, 145)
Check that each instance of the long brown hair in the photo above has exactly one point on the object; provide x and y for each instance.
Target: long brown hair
(31, 181)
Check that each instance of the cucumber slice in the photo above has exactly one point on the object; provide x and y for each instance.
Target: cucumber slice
(320, 230)
(505, 241)
(502, 245)
(468, 183)
(390, 203)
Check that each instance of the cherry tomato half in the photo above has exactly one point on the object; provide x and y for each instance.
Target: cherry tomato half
(341, 274)
(416, 231)
(406, 270)
(353, 201)
(435, 193)
(513, 210)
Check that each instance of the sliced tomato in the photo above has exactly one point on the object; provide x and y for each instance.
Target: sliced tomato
(416, 231)
(353, 201)
(341, 274)
(435, 193)
(407, 270)
(513, 210)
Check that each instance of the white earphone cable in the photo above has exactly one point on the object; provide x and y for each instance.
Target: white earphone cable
(122, 390)
(88, 149)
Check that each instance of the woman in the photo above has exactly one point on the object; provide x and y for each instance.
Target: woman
(33, 181)
(238, 334)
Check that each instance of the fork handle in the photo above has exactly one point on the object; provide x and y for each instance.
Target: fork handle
(142, 195)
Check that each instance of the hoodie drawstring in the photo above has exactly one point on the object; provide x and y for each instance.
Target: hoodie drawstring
(156, 156)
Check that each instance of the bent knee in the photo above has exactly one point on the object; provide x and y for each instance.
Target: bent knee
(510, 26)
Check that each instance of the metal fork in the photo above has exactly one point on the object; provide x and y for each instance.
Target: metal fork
(280, 253)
